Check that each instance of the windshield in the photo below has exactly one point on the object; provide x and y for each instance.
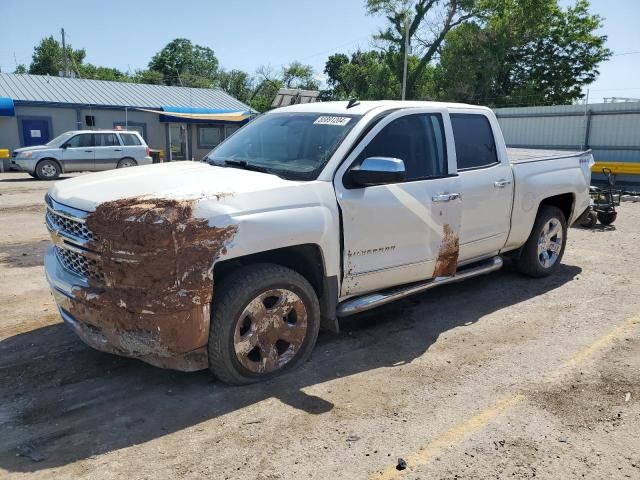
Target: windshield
(60, 139)
(291, 145)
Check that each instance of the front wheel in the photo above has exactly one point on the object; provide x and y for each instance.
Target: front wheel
(47, 170)
(542, 253)
(265, 320)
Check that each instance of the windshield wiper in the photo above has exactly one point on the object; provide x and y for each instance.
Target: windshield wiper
(247, 166)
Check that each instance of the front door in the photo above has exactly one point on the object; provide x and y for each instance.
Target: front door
(402, 232)
(178, 141)
(78, 153)
(108, 151)
(35, 131)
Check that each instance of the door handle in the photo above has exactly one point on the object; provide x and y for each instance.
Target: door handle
(88, 151)
(117, 149)
(445, 197)
(503, 182)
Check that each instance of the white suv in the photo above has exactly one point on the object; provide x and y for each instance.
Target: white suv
(82, 150)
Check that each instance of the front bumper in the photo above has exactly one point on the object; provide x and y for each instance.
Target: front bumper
(23, 165)
(160, 340)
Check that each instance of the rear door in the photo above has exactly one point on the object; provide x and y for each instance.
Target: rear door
(132, 146)
(108, 151)
(487, 182)
(402, 232)
(79, 153)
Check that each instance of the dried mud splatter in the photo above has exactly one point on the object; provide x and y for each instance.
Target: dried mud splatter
(447, 262)
(158, 282)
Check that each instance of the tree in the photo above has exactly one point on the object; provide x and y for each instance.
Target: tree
(48, 58)
(267, 83)
(94, 72)
(236, 83)
(525, 53)
(20, 69)
(365, 76)
(182, 63)
(297, 75)
(426, 22)
(150, 77)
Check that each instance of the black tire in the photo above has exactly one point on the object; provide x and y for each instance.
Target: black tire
(590, 221)
(33, 175)
(47, 170)
(607, 218)
(529, 261)
(127, 162)
(242, 288)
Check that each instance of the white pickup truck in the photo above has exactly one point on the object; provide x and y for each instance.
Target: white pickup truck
(307, 214)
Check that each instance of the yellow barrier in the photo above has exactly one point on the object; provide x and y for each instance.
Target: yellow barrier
(4, 153)
(618, 168)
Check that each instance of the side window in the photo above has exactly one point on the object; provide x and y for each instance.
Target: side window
(129, 139)
(209, 136)
(418, 140)
(82, 140)
(475, 145)
(106, 140)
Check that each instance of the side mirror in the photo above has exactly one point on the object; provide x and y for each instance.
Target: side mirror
(64, 146)
(378, 171)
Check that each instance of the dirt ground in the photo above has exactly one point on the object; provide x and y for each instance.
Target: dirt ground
(498, 377)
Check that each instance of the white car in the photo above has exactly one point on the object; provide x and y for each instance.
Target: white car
(307, 214)
(82, 150)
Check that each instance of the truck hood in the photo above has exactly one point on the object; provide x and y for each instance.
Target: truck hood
(237, 189)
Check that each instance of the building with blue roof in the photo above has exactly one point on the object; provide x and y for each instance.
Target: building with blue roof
(184, 122)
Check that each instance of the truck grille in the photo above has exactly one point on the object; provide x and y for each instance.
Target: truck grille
(80, 264)
(71, 227)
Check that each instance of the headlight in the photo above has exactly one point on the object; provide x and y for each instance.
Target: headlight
(25, 154)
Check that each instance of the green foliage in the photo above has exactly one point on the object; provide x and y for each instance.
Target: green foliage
(366, 76)
(236, 83)
(21, 69)
(94, 72)
(48, 59)
(150, 77)
(297, 75)
(526, 53)
(182, 63)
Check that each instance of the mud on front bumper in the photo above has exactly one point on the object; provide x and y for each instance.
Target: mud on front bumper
(134, 335)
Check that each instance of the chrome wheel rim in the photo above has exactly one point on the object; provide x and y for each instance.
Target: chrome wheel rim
(550, 243)
(270, 331)
(48, 170)
(126, 163)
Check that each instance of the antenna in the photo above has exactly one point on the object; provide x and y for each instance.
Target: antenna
(352, 103)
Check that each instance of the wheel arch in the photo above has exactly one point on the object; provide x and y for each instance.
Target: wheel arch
(305, 259)
(53, 159)
(564, 201)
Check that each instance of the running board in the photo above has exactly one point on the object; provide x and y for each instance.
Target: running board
(377, 299)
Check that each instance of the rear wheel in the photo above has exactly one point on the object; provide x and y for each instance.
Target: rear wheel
(127, 162)
(607, 218)
(47, 170)
(265, 320)
(542, 253)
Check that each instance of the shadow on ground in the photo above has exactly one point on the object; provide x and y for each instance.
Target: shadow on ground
(23, 255)
(62, 401)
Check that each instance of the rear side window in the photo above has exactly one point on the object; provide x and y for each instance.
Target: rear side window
(130, 139)
(418, 140)
(106, 139)
(475, 145)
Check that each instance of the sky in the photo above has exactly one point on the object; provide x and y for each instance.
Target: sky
(246, 34)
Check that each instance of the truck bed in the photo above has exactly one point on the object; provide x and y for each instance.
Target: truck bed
(524, 155)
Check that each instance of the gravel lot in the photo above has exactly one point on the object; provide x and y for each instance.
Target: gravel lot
(500, 376)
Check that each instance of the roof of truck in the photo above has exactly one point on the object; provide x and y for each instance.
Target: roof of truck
(364, 107)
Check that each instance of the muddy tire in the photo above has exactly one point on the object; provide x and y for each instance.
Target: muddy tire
(264, 321)
(47, 170)
(541, 255)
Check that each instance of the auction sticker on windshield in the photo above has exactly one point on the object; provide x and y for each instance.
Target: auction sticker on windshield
(325, 120)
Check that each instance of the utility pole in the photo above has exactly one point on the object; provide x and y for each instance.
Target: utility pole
(64, 55)
(406, 54)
